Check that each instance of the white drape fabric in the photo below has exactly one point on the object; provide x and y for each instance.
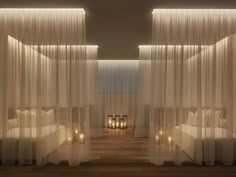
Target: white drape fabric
(44, 109)
(117, 89)
(193, 86)
(143, 92)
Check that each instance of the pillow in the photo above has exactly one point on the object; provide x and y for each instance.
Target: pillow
(28, 118)
(206, 115)
(50, 117)
(192, 119)
(223, 123)
(25, 118)
(12, 123)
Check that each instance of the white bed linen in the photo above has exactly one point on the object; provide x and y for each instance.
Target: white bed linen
(187, 138)
(52, 137)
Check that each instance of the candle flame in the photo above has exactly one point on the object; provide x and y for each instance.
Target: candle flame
(81, 136)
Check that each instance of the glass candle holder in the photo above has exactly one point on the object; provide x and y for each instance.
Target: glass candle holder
(117, 117)
(110, 121)
(113, 123)
(125, 118)
(122, 123)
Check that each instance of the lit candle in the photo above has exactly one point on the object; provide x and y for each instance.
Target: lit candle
(161, 132)
(125, 124)
(169, 139)
(157, 138)
(117, 124)
(81, 137)
(76, 131)
(121, 125)
(113, 125)
(69, 139)
(109, 123)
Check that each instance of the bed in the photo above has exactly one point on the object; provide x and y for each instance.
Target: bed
(50, 134)
(187, 138)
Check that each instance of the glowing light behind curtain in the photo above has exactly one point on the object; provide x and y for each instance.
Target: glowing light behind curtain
(44, 111)
(117, 84)
(143, 92)
(193, 86)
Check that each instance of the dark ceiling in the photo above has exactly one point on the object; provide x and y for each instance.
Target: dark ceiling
(119, 26)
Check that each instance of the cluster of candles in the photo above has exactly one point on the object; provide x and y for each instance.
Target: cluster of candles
(160, 138)
(117, 122)
(77, 137)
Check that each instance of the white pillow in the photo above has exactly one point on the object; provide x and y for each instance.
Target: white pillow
(192, 119)
(50, 117)
(12, 123)
(206, 115)
(26, 118)
(223, 123)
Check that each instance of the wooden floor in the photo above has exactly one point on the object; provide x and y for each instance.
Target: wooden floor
(118, 154)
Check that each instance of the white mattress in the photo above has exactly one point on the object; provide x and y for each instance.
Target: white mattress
(187, 138)
(32, 132)
(52, 136)
(217, 132)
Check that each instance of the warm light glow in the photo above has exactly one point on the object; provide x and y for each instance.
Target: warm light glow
(117, 124)
(156, 137)
(76, 131)
(172, 46)
(64, 46)
(161, 132)
(81, 136)
(69, 139)
(169, 139)
(125, 124)
(45, 11)
(193, 11)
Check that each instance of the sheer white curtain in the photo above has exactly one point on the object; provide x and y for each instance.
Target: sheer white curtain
(96, 123)
(193, 86)
(117, 84)
(143, 92)
(44, 109)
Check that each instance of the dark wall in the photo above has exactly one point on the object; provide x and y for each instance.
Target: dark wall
(119, 26)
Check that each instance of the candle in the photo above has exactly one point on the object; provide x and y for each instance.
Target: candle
(125, 124)
(169, 139)
(109, 123)
(125, 118)
(161, 132)
(113, 125)
(121, 125)
(76, 131)
(117, 124)
(69, 139)
(157, 138)
(81, 138)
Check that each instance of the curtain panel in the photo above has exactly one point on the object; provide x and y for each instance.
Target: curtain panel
(44, 106)
(193, 79)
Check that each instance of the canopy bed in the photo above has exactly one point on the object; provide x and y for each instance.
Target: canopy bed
(193, 84)
(46, 96)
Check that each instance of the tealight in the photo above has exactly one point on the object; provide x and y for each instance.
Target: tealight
(161, 132)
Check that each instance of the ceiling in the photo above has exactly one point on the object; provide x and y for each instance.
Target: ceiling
(119, 26)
